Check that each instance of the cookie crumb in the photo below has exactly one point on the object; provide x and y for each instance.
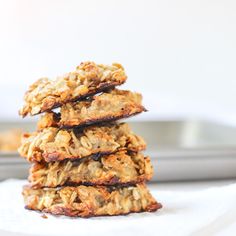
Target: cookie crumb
(44, 216)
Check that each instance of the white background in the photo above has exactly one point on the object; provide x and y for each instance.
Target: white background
(180, 54)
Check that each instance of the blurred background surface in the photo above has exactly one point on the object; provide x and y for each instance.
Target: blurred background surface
(180, 54)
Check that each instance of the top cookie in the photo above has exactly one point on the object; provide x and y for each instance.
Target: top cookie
(88, 79)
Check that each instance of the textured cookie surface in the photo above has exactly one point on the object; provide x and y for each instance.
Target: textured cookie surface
(88, 79)
(114, 169)
(87, 201)
(108, 106)
(54, 144)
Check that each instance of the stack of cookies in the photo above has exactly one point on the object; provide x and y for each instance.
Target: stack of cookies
(85, 163)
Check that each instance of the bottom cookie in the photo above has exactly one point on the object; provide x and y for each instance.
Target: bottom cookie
(87, 201)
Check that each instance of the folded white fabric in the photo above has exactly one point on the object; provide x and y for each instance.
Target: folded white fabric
(199, 212)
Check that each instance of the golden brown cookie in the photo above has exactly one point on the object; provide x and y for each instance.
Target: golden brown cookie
(114, 169)
(108, 106)
(88, 79)
(87, 201)
(53, 144)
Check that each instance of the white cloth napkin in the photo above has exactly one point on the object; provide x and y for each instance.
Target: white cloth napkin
(199, 212)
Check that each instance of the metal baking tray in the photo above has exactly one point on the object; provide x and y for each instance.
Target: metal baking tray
(190, 150)
(180, 150)
(11, 164)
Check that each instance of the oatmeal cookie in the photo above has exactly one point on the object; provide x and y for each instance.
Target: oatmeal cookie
(114, 169)
(54, 144)
(88, 79)
(10, 140)
(108, 106)
(87, 201)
